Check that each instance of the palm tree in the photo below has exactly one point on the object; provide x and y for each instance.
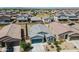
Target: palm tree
(44, 38)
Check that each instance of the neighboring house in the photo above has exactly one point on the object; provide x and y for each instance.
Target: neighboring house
(13, 18)
(59, 30)
(36, 19)
(10, 35)
(75, 37)
(40, 33)
(75, 29)
(47, 19)
(13, 14)
(5, 20)
(62, 16)
(63, 31)
(73, 17)
(22, 18)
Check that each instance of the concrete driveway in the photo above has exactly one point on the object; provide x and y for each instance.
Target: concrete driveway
(76, 43)
(38, 47)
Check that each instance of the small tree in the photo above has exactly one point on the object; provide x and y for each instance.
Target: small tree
(58, 48)
(28, 47)
(25, 46)
(22, 44)
(56, 43)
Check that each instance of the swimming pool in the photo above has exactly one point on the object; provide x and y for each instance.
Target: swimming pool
(36, 41)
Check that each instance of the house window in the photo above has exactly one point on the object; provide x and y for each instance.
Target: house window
(3, 44)
(66, 36)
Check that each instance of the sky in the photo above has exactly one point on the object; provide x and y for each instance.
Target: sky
(39, 3)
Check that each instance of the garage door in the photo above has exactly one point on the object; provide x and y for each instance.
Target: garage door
(36, 40)
(74, 38)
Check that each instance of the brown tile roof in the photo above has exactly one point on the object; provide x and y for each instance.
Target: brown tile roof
(11, 30)
(57, 28)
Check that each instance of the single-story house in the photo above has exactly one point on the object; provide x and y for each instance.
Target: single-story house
(75, 37)
(75, 29)
(13, 18)
(63, 31)
(5, 20)
(73, 17)
(10, 35)
(48, 19)
(61, 16)
(40, 32)
(22, 18)
(13, 14)
(59, 30)
(36, 19)
(64, 16)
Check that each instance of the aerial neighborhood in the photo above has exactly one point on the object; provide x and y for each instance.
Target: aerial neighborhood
(39, 29)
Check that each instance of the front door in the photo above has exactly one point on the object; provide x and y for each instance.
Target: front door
(66, 36)
(3, 44)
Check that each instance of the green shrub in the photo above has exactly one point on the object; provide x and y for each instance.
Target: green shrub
(49, 43)
(23, 44)
(56, 43)
(26, 47)
(58, 48)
